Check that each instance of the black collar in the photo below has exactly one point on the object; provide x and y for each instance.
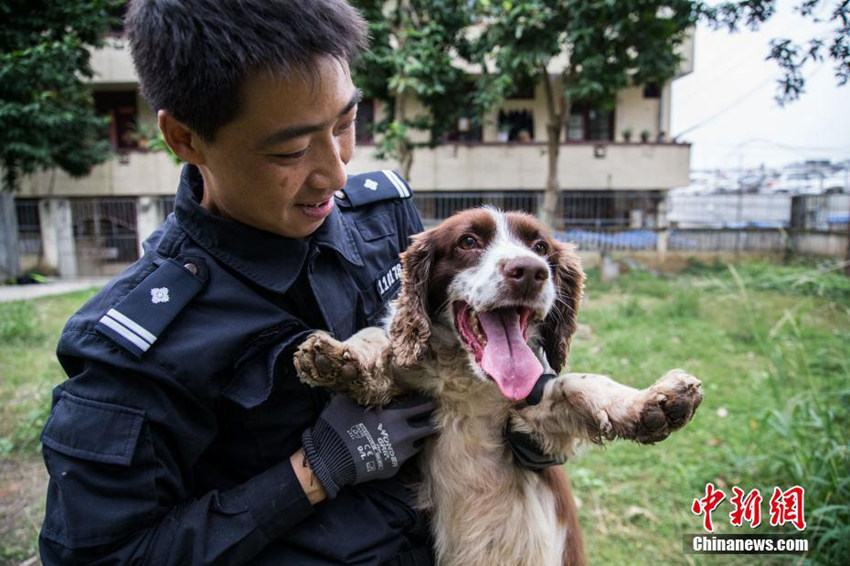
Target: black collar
(536, 394)
(269, 260)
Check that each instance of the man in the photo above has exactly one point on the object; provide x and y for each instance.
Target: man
(184, 435)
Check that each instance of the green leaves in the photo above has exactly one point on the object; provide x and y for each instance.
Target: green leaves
(416, 45)
(47, 116)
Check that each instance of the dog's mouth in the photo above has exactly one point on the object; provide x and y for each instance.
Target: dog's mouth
(497, 339)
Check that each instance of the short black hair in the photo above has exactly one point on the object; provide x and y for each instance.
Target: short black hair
(192, 56)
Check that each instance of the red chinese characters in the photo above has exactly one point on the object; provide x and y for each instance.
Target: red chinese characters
(746, 508)
(707, 504)
(785, 507)
(788, 507)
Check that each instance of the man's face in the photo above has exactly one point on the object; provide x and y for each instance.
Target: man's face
(277, 165)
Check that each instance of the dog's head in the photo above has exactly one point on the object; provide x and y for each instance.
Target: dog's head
(502, 284)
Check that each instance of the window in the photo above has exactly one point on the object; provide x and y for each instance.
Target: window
(120, 106)
(651, 90)
(588, 123)
(467, 129)
(518, 124)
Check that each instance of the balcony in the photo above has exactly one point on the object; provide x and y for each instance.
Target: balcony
(516, 166)
(474, 167)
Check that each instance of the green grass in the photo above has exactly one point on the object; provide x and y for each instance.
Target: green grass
(771, 347)
(29, 331)
(770, 344)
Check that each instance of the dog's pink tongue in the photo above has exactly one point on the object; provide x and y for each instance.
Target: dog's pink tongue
(507, 358)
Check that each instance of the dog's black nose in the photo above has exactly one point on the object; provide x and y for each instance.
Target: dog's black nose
(526, 274)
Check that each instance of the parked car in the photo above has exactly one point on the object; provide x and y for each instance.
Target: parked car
(796, 183)
(838, 182)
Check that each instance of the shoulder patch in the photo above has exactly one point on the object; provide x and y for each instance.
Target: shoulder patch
(372, 187)
(144, 313)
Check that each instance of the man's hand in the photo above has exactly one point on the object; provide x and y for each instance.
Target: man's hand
(350, 444)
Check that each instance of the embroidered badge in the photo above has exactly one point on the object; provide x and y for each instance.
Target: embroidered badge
(389, 279)
(159, 295)
(371, 185)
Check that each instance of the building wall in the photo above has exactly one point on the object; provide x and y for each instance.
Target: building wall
(511, 166)
(605, 165)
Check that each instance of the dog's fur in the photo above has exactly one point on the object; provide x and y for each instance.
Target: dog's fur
(485, 509)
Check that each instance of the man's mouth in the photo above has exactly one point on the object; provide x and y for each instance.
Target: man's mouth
(497, 340)
(317, 210)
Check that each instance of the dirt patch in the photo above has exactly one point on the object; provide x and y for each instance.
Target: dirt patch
(23, 485)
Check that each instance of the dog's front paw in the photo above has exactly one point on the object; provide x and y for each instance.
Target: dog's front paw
(668, 405)
(323, 361)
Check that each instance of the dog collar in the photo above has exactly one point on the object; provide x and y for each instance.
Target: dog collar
(536, 394)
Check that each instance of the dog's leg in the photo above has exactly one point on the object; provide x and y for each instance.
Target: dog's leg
(580, 406)
(359, 367)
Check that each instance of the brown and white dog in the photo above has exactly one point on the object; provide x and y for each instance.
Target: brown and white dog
(488, 304)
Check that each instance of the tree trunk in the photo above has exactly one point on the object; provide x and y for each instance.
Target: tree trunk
(549, 212)
(403, 150)
(556, 110)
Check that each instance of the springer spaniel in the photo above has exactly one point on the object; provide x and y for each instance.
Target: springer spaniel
(488, 305)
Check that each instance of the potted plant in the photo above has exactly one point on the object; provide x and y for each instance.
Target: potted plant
(504, 133)
(627, 134)
(644, 136)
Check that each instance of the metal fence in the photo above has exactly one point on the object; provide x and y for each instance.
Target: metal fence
(165, 205)
(105, 235)
(106, 231)
(29, 227)
(827, 213)
(635, 220)
(576, 209)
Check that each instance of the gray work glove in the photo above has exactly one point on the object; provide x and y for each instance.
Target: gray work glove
(350, 444)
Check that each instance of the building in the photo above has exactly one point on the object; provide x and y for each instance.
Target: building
(95, 225)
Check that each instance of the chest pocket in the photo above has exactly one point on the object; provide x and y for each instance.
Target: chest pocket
(267, 406)
(379, 225)
(380, 281)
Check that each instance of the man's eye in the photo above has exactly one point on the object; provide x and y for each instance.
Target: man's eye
(295, 155)
(468, 243)
(345, 127)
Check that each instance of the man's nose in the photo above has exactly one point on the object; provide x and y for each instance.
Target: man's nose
(329, 168)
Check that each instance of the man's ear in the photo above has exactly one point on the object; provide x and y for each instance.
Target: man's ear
(182, 141)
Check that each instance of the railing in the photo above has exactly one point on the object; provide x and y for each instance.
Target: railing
(576, 209)
(29, 227)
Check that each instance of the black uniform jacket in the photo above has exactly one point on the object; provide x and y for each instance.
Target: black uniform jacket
(170, 442)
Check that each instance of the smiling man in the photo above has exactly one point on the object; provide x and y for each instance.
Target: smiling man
(183, 435)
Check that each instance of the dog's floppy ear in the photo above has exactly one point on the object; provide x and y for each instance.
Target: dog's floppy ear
(411, 326)
(560, 325)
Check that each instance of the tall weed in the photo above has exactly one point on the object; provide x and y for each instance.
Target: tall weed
(805, 441)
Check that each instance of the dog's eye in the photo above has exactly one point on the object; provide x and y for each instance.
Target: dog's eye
(540, 247)
(468, 243)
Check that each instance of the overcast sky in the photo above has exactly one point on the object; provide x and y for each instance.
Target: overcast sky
(731, 93)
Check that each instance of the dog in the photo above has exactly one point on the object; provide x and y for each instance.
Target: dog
(488, 304)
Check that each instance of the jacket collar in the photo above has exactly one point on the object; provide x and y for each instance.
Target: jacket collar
(269, 260)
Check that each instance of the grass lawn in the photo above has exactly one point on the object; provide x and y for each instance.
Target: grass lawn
(769, 343)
